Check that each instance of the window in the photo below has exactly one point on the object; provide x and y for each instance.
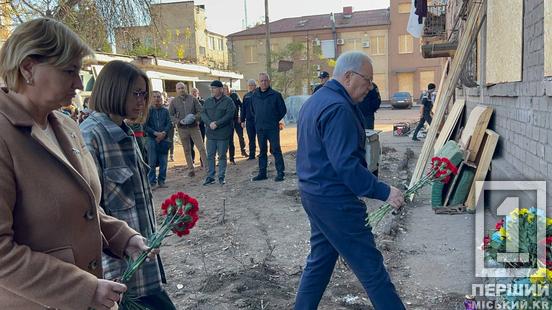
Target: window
(406, 44)
(211, 43)
(328, 49)
(202, 50)
(220, 45)
(426, 77)
(377, 45)
(406, 82)
(404, 8)
(504, 50)
(251, 54)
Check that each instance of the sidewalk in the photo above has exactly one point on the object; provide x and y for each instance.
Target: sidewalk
(436, 252)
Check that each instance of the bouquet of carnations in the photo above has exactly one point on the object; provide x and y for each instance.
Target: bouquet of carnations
(180, 215)
(441, 170)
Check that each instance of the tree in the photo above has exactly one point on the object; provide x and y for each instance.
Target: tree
(93, 20)
(292, 82)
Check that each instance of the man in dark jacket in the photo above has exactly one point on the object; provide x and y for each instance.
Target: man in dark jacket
(218, 115)
(324, 77)
(237, 126)
(248, 120)
(427, 101)
(332, 174)
(370, 105)
(157, 127)
(269, 108)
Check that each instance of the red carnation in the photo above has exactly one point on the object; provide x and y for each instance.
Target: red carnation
(499, 224)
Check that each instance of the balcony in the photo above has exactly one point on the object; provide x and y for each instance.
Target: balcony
(435, 22)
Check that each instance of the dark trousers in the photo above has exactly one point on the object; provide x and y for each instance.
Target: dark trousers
(252, 136)
(426, 117)
(338, 228)
(155, 157)
(159, 301)
(271, 136)
(231, 148)
(202, 130)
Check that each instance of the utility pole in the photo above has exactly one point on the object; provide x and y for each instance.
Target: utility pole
(267, 24)
(245, 10)
(308, 66)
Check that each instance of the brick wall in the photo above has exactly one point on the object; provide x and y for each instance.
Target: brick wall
(522, 110)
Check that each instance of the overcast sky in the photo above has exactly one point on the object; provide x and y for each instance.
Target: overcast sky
(227, 16)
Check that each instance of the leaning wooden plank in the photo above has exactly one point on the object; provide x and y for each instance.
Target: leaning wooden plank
(451, 121)
(491, 139)
(475, 18)
(473, 132)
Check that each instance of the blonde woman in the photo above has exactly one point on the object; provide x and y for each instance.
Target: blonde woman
(51, 231)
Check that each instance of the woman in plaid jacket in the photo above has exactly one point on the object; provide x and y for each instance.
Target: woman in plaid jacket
(122, 92)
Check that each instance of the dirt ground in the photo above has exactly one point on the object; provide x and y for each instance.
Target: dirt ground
(250, 245)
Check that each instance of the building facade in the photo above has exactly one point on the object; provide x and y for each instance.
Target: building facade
(177, 31)
(512, 73)
(397, 60)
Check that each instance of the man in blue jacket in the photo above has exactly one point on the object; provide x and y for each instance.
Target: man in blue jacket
(268, 108)
(157, 127)
(248, 120)
(332, 174)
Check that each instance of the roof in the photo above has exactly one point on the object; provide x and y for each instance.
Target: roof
(323, 21)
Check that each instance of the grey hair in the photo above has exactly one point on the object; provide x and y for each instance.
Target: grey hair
(350, 61)
(265, 74)
(251, 82)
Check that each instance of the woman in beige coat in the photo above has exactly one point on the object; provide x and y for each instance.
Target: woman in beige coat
(51, 230)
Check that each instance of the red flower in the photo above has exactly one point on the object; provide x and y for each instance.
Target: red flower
(499, 224)
(486, 241)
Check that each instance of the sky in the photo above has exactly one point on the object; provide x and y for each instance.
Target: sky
(227, 16)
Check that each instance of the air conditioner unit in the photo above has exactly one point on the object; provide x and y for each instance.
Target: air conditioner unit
(340, 41)
(366, 44)
(316, 42)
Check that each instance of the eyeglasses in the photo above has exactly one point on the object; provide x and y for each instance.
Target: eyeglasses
(369, 80)
(140, 94)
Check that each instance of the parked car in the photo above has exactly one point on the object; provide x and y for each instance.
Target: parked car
(401, 100)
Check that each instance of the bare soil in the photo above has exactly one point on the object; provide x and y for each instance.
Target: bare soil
(250, 245)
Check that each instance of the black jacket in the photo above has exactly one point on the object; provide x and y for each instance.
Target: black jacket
(268, 108)
(369, 106)
(246, 113)
(221, 112)
(238, 104)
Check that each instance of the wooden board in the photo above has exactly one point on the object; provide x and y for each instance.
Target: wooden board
(473, 132)
(476, 16)
(451, 121)
(491, 139)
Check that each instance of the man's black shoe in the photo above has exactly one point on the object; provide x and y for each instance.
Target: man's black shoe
(209, 181)
(279, 178)
(259, 177)
(221, 181)
(244, 153)
(232, 162)
(415, 139)
(251, 158)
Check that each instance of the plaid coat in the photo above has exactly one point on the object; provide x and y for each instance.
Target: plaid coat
(126, 193)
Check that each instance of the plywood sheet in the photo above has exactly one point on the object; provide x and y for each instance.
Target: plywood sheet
(484, 163)
(504, 51)
(451, 121)
(473, 132)
(547, 37)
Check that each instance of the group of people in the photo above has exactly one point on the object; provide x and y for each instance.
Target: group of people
(218, 117)
(76, 200)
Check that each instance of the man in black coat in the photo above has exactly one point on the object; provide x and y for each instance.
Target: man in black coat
(269, 108)
(370, 105)
(427, 101)
(237, 128)
(248, 120)
(324, 77)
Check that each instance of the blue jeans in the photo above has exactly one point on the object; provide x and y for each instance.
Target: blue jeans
(214, 147)
(337, 228)
(156, 156)
(272, 136)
